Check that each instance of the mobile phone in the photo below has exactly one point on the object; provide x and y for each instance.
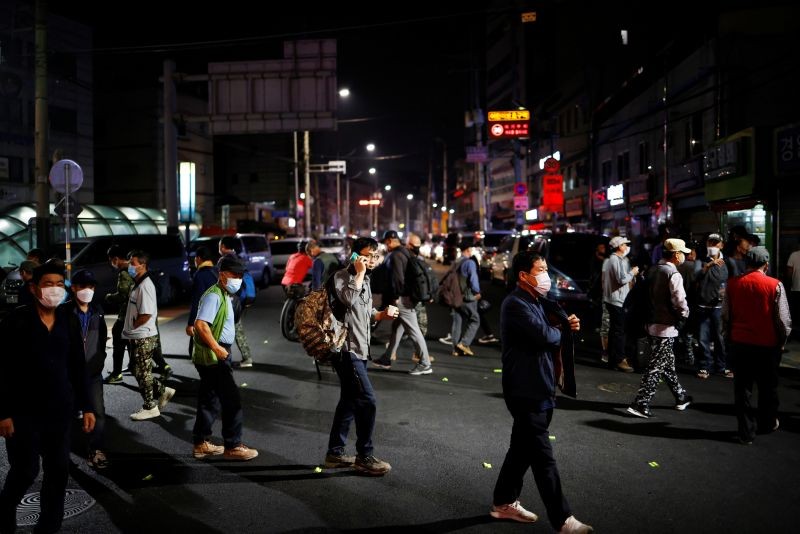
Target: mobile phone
(353, 257)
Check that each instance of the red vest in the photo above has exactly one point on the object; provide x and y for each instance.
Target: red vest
(751, 308)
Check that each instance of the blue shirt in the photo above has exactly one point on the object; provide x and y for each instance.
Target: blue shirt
(207, 311)
(468, 270)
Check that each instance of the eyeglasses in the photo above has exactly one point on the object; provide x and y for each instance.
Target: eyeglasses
(373, 257)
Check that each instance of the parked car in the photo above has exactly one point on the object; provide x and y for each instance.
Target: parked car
(568, 258)
(255, 251)
(488, 243)
(167, 257)
(281, 250)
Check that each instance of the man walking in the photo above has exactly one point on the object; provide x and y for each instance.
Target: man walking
(323, 266)
(357, 398)
(204, 277)
(617, 277)
(118, 258)
(42, 385)
(670, 308)
(87, 318)
(140, 328)
(468, 311)
(398, 295)
(755, 312)
(214, 335)
(529, 389)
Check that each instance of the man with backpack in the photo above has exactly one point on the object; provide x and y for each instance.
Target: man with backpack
(357, 403)
(398, 294)
(243, 299)
(468, 310)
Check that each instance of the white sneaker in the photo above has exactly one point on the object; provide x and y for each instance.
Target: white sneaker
(573, 526)
(446, 340)
(143, 414)
(165, 397)
(420, 369)
(513, 511)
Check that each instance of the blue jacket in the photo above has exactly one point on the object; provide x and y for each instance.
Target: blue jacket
(470, 285)
(204, 278)
(527, 342)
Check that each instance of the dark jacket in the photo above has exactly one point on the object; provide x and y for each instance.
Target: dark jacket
(204, 278)
(94, 341)
(324, 265)
(397, 262)
(43, 372)
(528, 341)
(710, 285)
(120, 297)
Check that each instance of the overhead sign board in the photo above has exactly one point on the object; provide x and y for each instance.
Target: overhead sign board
(510, 116)
(477, 154)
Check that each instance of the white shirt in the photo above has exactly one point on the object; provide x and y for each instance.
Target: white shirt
(142, 301)
(794, 263)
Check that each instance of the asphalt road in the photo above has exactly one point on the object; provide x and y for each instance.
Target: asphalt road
(445, 435)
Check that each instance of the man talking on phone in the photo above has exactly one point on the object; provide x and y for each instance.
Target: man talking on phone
(357, 398)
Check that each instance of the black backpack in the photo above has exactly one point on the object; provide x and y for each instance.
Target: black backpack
(379, 279)
(421, 283)
(638, 306)
(450, 294)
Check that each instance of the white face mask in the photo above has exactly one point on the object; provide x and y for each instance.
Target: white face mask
(85, 295)
(713, 251)
(627, 251)
(233, 285)
(542, 284)
(52, 296)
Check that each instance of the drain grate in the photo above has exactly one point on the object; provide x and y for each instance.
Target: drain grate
(75, 502)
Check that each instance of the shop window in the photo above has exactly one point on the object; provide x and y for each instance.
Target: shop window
(644, 157)
(623, 166)
(606, 172)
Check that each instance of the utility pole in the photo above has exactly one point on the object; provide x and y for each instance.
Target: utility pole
(429, 207)
(170, 148)
(296, 185)
(307, 177)
(40, 135)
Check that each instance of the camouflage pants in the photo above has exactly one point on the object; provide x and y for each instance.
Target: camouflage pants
(422, 317)
(241, 341)
(150, 388)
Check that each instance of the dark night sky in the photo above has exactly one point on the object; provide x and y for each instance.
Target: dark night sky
(408, 70)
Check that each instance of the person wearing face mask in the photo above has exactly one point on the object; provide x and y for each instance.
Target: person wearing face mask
(755, 314)
(42, 385)
(118, 258)
(87, 316)
(670, 309)
(140, 329)
(214, 333)
(617, 279)
(711, 283)
(529, 390)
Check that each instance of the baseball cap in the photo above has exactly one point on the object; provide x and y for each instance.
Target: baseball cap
(84, 277)
(757, 256)
(617, 241)
(714, 238)
(390, 234)
(676, 245)
(231, 265)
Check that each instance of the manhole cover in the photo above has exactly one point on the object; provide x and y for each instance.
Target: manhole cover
(615, 387)
(75, 502)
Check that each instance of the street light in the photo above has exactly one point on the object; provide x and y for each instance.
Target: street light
(370, 147)
(409, 198)
(344, 92)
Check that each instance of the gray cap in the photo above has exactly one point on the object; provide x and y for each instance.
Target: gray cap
(757, 256)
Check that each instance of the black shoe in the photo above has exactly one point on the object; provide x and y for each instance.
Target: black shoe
(640, 410)
(683, 402)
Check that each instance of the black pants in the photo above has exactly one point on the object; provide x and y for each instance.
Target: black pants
(33, 439)
(217, 393)
(531, 448)
(759, 365)
(616, 334)
(119, 346)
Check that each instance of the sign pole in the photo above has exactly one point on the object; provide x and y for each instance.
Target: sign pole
(68, 250)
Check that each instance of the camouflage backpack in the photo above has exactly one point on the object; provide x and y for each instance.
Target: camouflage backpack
(318, 329)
